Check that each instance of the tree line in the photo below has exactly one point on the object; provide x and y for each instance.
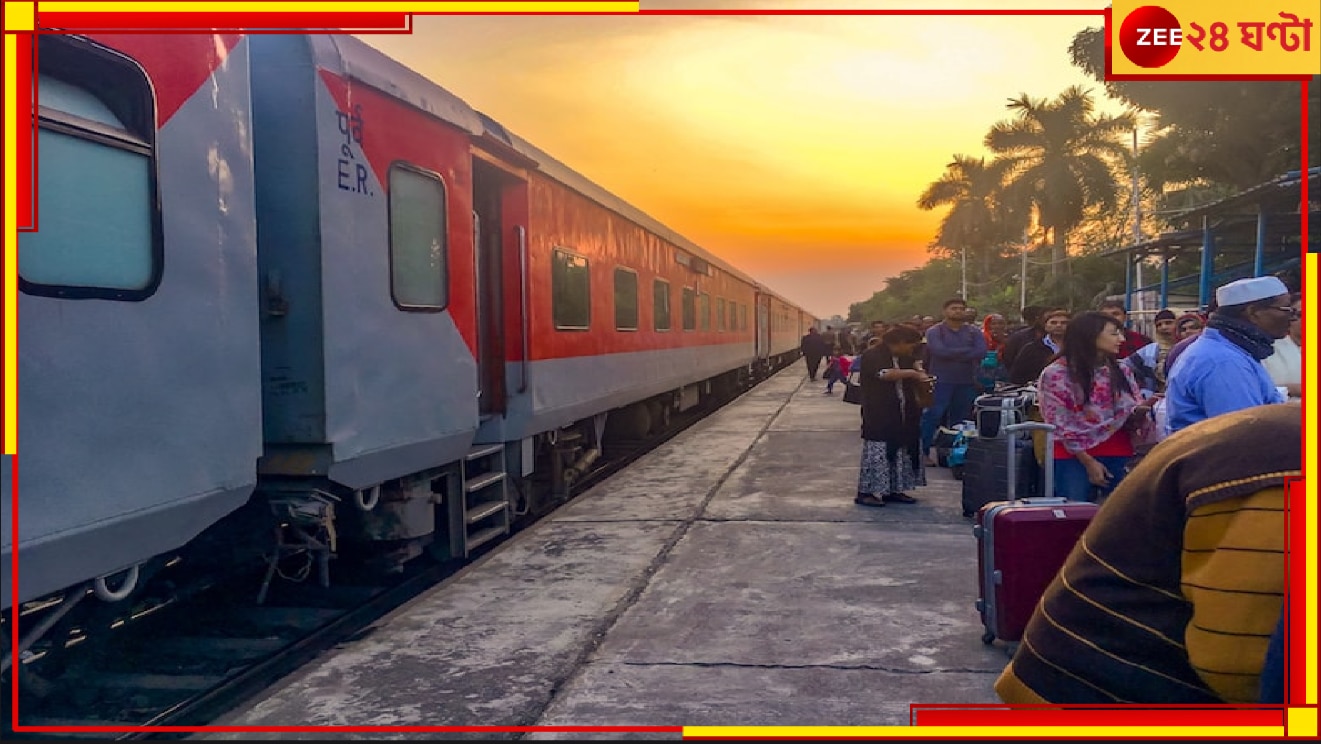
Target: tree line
(1058, 183)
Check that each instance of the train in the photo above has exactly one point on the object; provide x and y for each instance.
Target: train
(289, 297)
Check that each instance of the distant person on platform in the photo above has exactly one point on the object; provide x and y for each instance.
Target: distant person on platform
(814, 348)
(1030, 330)
(1035, 355)
(1222, 371)
(954, 350)
(1132, 339)
(1148, 363)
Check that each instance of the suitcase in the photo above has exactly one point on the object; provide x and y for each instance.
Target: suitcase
(986, 471)
(994, 411)
(1021, 545)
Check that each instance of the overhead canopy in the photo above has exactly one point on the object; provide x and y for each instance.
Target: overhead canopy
(1255, 232)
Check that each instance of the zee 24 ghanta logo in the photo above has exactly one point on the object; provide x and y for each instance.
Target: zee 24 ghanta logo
(1151, 36)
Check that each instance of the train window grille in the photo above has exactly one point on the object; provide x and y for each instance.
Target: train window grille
(98, 207)
(419, 256)
(720, 313)
(571, 291)
(689, 309)
(706, 312)
(660, 304)
(743, 317)
(626, 299)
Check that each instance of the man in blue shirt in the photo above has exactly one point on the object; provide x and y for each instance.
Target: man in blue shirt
(954, 350)
(1221, 371)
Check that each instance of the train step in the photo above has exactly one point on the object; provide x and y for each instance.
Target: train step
(482, 512)
(481, 537)
(483, 450)
(483, 481)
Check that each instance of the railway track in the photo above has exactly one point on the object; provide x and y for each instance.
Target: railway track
(188, 659)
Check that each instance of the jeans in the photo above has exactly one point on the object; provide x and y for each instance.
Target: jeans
(1071, 478)
(952, 397)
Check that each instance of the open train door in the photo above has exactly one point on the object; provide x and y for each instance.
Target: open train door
(500, 209)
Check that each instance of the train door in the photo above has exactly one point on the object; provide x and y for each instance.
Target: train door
(763, 326)
(489, 248)
(500, 209)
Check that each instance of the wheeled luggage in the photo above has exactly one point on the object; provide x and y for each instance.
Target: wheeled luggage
(1021, 545)
(986, 469)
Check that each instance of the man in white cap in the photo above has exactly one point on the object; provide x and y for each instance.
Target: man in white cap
(1222, 371)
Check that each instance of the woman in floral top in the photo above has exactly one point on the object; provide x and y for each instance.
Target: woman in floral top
(1093, 401)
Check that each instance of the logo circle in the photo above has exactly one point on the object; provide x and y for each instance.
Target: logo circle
(1140, 32)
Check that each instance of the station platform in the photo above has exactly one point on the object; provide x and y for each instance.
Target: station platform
(726, 578)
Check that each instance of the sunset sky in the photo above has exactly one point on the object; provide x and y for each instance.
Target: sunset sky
(794, 147)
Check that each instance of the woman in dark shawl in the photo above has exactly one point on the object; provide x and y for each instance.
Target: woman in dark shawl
(891, 420)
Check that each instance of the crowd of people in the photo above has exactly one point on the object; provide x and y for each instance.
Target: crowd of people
(1110, 391)
(1179, 590)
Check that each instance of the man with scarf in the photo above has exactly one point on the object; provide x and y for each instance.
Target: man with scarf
(1222, 371)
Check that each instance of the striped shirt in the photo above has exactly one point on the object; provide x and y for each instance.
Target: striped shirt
(1172, 593)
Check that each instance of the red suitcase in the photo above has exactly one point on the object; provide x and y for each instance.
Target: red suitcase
(1021, 544)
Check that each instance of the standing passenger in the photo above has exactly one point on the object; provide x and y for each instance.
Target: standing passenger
(814, 348)
(1036, 354)
(1093, 402)
(1221, 371)
(1285, 366)
(1132, 339)
(891, 463)
(954, 350)
(1148, 363)
(1031, 330)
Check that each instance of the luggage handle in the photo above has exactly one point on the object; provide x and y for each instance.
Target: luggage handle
(1048, 487)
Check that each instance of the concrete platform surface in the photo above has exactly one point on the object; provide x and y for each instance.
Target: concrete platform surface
(725, 579)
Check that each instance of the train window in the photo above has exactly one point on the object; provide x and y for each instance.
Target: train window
(97, 195)
(720, 313)
(743, 317)
(689, 309)
(660, 304)
(706, 312)
(626, 300)
(419, 270)
(571, 291)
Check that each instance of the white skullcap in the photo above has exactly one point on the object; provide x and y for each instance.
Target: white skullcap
(1243, 291)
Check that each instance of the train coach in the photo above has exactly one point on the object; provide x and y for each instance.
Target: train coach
(289, 296)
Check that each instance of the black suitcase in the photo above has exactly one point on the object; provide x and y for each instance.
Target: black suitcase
(986, 471)
(994, 411)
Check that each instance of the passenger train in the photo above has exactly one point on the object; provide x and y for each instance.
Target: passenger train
(288, 296)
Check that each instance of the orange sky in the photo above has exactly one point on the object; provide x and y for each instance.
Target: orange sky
(794, 147)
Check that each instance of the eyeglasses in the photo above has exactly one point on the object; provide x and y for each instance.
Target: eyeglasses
(1292, 311)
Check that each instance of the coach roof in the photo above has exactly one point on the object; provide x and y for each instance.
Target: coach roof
(351, 58)
(348, 57)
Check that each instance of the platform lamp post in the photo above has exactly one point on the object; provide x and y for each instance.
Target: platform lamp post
(963, 273)
(1139, 303)
(1022, 272)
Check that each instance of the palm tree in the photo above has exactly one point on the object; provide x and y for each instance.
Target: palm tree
(978, 220)
(1059, 157)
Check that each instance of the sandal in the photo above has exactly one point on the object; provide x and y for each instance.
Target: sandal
(898, 498)
(867, 499)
